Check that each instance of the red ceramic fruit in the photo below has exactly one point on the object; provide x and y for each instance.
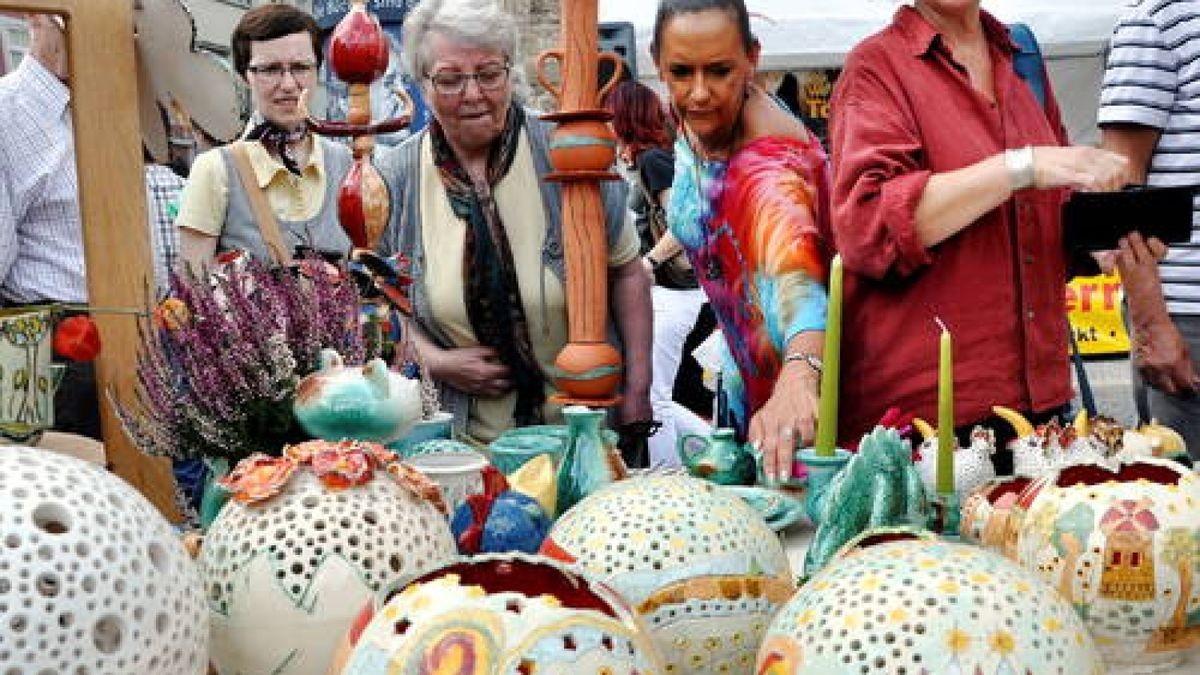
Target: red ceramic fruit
(77, 339)
(358, 49)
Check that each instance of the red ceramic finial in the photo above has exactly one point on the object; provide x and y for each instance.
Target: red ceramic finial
(358, 48)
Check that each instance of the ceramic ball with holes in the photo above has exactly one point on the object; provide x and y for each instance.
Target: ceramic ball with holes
(306, 541)
(504, 613)
(699, 565)
(910, 603)
(92, 578)
(1123, 546)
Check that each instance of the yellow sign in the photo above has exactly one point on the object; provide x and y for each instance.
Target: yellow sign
(1094, 309)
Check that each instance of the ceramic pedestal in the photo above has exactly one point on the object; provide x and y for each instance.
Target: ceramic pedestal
(92, 578)
(1123, 547)
(699, 565)
(286, 577)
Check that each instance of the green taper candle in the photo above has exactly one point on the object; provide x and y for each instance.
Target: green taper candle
(945, 430)
(827, 415)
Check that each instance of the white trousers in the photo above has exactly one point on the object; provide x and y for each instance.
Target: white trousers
(675, 313)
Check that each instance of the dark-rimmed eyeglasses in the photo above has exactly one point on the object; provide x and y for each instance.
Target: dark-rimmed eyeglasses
(273, 72)
(453, 83)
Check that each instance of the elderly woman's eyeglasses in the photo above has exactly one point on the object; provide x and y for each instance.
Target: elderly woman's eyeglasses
(273, 72)
(453, 83)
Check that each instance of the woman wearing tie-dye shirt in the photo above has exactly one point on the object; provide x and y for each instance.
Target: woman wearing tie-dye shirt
(750, 205)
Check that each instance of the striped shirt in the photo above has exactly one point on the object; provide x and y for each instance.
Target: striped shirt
(1153, 79)
(41, 243)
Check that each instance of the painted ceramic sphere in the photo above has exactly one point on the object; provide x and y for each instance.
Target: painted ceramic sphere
(926, 606)
(503, 614)
(514, 522)
(286, 577)
(699, 565)
(1123, 547)
(92, 577)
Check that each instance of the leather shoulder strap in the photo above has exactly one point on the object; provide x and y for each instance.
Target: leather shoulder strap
(268, 225)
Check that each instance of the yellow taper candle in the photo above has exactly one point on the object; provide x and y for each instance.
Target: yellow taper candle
(827, 413)
(945, 430)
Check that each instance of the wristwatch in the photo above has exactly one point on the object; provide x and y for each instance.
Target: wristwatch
(1019, 163)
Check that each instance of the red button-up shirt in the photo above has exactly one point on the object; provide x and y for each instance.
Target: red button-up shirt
(903, 110)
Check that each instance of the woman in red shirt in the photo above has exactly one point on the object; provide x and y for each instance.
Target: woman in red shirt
(949, 177)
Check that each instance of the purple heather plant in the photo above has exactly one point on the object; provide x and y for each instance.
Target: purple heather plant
(219, 365)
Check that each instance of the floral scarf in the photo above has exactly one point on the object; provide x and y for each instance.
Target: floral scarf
(489, 276)
(277, 140)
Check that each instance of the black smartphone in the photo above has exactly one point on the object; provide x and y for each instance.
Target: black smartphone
(1096, 221)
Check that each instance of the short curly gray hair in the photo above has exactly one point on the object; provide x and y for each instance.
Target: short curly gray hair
(479, 23)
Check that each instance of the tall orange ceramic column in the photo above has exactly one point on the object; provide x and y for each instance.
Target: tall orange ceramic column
(582, 150)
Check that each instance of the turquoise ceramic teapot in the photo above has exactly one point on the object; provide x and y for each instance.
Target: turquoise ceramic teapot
(718, 458)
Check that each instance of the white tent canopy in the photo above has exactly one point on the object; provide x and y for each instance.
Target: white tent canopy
(806, 34)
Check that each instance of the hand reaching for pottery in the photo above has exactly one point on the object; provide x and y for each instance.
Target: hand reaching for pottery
(786, 422)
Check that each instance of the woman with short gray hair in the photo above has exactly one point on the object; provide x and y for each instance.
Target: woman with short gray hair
(484, 231)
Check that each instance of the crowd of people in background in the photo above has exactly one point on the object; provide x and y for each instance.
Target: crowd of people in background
(727, 218)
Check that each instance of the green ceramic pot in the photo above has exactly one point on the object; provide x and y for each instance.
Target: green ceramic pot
(511, 451)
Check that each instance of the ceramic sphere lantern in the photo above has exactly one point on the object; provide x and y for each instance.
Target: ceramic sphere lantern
(306, 541)
(504, 613)
(896, 602)
(1123, 546)
(92, 578)
(699, 565)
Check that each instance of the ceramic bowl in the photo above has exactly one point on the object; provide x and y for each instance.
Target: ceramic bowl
(441, 425)
(458, 474)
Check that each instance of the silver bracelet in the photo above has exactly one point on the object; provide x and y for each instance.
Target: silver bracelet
(1019, 163)
(812, 360)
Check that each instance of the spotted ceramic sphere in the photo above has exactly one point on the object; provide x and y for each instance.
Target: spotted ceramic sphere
(1123, 547)
(503, 614)
(926, 606)
(286, 577)
(699, 565)
(92, 578)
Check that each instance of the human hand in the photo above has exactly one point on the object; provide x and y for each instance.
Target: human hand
(635, 407)
(787, 421)
(48, 43)
(475, 370)
(1137, 260)
(1079, 167)
(1163, 360)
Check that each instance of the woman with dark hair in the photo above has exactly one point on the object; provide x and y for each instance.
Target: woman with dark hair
(278, 163)
(648, 165)
(749, 204)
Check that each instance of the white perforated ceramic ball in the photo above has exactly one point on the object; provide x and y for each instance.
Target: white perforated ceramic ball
(93, 580)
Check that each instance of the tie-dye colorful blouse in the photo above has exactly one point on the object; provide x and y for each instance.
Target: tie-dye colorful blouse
(753, 228)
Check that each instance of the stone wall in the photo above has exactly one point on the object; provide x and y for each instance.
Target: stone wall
(539, 28)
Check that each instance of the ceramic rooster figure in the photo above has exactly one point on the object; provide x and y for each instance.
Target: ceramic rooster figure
(972, 464)
(879, 487)
(1098, 439)
(358, 55)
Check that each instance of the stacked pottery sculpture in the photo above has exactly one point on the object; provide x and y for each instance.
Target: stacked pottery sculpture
(699, 565)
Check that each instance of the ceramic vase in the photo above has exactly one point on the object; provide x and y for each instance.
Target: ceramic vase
(699, 565)
(285, 576)
(588, 463)
(27, 378)
(1123, 547)
(897, 602)
(92, 578)
(502, 614)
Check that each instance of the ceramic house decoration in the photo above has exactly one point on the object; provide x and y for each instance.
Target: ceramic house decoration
(699, 565)
(307, 540)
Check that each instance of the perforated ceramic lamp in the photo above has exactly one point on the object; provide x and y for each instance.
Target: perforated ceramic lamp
(507, 613)
(918, 605)
(1123, 546)
(92, 579)
(287, 575)
(699, 565)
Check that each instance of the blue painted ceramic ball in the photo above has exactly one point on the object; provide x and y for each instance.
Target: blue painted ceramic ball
(516, 522)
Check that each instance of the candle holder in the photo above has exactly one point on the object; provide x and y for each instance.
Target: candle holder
(582, 151)
(822, 469)
(944, 514)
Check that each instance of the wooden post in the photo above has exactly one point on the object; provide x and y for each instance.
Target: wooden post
(112, 206)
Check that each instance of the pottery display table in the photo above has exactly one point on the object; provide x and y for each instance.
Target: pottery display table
(797, 537)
